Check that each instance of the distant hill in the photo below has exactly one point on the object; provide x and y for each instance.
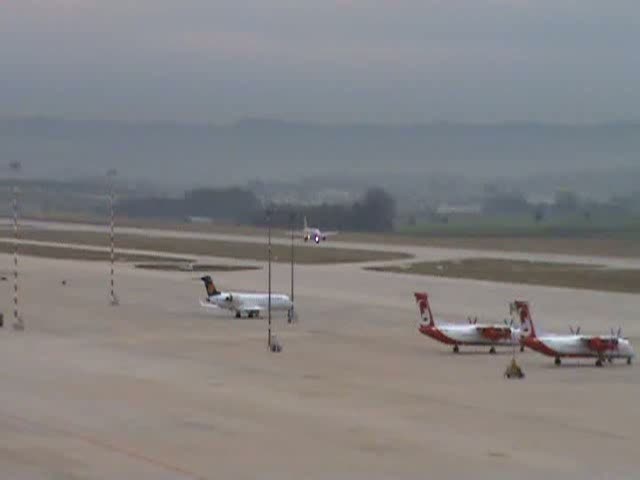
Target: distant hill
(181, 155)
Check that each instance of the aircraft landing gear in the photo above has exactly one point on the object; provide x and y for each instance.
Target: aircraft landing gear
(238, 315)
(557, 361)
(250, 315)
(599, 362)
(456, 349)
(628, 360)
(492, 350)
(521, 348)
(610, 359)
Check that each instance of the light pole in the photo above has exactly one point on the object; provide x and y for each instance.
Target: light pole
(269, 213)
(292, 219)
(18, 322)
(111, 174)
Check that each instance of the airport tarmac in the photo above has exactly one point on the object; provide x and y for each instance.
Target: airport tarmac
(158, 388)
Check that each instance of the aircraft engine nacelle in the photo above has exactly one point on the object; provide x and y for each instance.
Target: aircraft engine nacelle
(603, 344)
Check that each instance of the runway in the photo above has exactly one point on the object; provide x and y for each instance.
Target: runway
(158, 388)
(420, 252)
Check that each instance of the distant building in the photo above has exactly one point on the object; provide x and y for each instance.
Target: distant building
(468, 208)
(193, 219)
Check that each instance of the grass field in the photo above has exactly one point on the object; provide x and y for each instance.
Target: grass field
(536, 273)
(560, 226)
(169, 224)
(67, 253)
(189, 267)
(574, 235)
(216, 248)
(587, 246)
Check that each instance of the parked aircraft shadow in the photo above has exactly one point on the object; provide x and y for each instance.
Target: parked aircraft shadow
(589, 365)
(221, 316)
(465, 353)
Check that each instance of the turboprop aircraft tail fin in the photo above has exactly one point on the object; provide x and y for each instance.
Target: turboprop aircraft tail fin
(422, 299)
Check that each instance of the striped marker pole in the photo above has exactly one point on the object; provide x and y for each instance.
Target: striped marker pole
(18, 323)
(113, 297)
(269, 280)
(291, 314)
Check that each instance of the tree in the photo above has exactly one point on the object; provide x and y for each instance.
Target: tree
(566, 201)
(232, 204)
(506, 202)
(229, 204)
(375, 212)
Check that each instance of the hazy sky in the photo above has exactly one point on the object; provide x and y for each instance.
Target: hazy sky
(323, 60)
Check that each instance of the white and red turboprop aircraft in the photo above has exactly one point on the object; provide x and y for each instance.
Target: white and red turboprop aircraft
(473, 333)
(575, 345)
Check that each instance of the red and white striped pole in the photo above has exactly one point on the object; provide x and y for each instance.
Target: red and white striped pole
(269, 214)
(18, 323)
(113, 298)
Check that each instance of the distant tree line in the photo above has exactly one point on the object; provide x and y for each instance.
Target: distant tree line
(227, 204)
(374, 212)
(565, 203)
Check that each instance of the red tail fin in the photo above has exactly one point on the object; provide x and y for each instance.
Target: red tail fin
(422, 299)
(526, 322)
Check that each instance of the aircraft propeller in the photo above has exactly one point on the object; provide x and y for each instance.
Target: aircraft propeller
(616, 335)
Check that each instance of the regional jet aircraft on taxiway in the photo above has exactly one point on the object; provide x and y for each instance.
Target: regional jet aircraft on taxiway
(251, 304)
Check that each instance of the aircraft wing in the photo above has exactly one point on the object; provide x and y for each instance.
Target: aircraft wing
(494, 332)
(329, 234)
(209, 305)
(251, 308)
